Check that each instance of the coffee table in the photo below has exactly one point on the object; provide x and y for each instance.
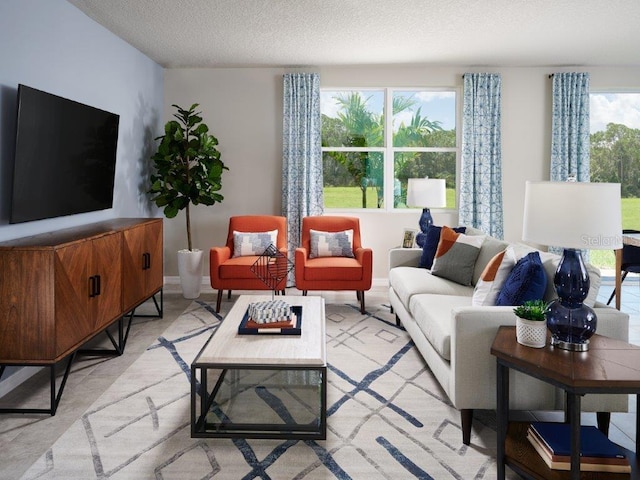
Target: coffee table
(264, 385)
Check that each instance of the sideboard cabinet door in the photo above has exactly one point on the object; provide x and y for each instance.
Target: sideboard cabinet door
(142, 263)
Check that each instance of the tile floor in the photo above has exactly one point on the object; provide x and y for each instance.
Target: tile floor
(24, 438)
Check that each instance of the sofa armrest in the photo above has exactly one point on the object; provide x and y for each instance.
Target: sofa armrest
(611, 322)
(404, 257)
(473, 368)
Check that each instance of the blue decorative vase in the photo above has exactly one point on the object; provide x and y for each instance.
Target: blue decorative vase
(570, 322)
(426, 220)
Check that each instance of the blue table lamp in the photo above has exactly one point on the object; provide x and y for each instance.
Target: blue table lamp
(426, 193)
(575, 216)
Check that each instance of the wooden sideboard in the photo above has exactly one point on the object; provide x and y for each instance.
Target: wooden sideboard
(60, 289)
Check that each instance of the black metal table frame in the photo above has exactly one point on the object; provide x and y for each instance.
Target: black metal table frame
(572, 413)
(199, 426)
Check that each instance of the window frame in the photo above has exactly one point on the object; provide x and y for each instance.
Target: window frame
(388, 150)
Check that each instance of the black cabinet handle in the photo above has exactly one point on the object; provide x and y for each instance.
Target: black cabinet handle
(92, 286)
(146, 261)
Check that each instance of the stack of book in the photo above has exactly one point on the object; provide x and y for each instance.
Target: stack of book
(597, 453)
(275, 318)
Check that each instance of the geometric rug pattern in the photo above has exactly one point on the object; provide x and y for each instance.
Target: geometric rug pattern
(387, 417)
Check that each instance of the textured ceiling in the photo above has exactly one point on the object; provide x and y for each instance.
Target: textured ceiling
(287, 33)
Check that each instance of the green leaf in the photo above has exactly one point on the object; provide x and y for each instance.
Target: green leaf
(187, 166)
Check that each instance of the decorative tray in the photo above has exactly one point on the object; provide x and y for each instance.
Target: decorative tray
(243, 329)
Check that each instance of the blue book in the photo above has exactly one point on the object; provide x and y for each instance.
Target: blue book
(593, 443)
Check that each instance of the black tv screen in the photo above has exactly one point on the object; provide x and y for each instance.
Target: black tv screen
(65, 157)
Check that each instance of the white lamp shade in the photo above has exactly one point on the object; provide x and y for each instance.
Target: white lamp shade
(573, 215)
(426, 192)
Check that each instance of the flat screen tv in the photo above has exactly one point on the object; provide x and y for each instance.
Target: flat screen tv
(65, 157)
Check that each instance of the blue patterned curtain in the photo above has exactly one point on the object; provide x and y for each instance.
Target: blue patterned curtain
(570, 146)
(481, 172)
(570, 127)
(302, 154)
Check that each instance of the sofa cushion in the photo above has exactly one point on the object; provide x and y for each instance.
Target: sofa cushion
(252, 243)
(433, 315)
(331, 244)
(492, 279)
(491, 246)
(456, 256)
(431, 245)
(527, 281)
(410, 281)
(238, 267)
(324, 268)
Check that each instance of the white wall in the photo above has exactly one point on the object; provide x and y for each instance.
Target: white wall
(244, 109)
(52, 46)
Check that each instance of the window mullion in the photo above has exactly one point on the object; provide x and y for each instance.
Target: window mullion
(389, 177)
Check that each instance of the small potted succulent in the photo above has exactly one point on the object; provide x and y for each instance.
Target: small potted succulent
(531, 323)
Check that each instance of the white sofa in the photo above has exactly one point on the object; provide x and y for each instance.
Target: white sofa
(455, 337)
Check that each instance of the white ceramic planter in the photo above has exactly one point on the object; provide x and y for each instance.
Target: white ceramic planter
(190, 271)
(532, 333)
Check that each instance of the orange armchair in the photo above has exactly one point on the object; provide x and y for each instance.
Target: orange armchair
(333, 273)
(234, 273)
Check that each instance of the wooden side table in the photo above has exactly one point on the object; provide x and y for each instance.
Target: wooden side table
(609, 366)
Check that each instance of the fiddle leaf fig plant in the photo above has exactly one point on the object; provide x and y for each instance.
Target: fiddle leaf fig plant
(532, 310)
(188, 169)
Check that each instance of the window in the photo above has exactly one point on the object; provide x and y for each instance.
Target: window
(615, 155)
(368, 155)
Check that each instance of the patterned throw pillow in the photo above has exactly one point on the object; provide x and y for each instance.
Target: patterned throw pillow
(456, 256)
(431, 245)
(527, 281)
(495, 273)
(491, 279)
(252, 243)
(331, 244)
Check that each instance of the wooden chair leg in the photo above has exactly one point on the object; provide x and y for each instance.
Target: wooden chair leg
(219, 301)
(229, 295)
(466, 418)
(362, 310)
(304, 293)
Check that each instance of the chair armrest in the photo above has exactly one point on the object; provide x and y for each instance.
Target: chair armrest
(404, 257)
(217, 256)
(301, 256)
(364, 256)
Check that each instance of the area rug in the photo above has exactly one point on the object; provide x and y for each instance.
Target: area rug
(387, 417)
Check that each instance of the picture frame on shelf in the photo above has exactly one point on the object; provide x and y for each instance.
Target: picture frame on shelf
(409, 238)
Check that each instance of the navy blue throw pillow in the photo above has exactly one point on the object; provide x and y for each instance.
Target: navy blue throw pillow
(527, 281)
(431, 245)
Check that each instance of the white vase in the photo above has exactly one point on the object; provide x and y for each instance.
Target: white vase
(532, 333)
(190, 271)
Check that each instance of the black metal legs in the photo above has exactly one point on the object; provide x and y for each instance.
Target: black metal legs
(55, 396)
